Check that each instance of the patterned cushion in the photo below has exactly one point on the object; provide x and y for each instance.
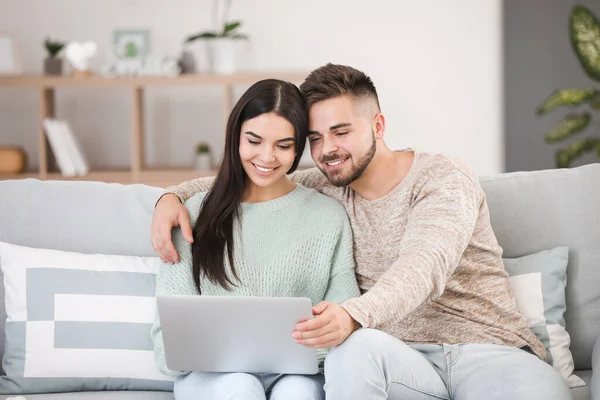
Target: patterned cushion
(78, 322)
(538, 282)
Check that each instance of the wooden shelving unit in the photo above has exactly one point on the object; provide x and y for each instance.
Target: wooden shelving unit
(137, 173)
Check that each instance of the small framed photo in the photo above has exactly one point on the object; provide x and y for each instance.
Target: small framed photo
(131, 44)
(10, 64)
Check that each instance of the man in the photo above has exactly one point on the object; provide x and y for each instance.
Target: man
(436, 319)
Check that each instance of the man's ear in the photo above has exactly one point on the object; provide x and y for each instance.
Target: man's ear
(379, 126)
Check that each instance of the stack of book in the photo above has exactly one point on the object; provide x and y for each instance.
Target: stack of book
(69, 157)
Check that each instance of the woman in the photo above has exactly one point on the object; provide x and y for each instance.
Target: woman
(256, 233)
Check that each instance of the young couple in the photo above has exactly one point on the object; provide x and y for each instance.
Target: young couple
(434, 317)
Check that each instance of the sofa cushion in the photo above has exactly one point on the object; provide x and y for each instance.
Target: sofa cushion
(78, 322)
(85, 217)
(538, 282)
(535, 211)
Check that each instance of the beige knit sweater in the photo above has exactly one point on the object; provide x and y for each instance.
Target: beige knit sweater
(428, 263)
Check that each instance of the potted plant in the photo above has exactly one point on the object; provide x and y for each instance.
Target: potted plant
(53, 64)
(203, 157)
(584, 31)
(221, 42)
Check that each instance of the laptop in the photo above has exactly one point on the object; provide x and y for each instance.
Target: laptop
(235, 334)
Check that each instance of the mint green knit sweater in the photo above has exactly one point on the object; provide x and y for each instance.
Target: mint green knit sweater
(298, 245)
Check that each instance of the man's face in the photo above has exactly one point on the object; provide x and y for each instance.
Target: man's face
(342, 142)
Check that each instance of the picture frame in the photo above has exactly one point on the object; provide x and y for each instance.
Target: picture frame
(10, 63)
(131, 44)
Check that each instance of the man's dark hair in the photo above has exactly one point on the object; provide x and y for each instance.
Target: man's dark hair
(333, 80)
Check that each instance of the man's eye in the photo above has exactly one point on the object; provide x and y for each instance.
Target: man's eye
(342, 133)
(313, 139)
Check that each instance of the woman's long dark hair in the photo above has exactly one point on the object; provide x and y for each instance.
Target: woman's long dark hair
(213, 231)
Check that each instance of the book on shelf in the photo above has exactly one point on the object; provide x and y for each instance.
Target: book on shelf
(69, 156)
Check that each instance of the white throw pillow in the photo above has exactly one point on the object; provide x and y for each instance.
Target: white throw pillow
(538, 282)
(78, 322)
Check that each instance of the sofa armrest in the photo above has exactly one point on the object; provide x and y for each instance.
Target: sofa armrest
(595, 382)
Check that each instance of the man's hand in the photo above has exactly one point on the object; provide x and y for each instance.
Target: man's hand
(169, 212)
(331, 326)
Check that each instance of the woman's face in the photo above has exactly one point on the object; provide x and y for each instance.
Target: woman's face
(267, 148)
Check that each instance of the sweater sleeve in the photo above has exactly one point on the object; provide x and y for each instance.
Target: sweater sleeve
(172, 279)
(312, 178)
(342, 281)
(187, 189)
(439, 227)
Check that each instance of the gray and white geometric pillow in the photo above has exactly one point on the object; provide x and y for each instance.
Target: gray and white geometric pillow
(538, 282)
(78, 322)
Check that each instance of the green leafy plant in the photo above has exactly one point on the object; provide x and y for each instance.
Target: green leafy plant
(53, 47)
(131, 50)
(584, 31)
(224, 29)
(202, 148)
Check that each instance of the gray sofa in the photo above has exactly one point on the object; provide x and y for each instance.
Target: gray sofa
(530, 212)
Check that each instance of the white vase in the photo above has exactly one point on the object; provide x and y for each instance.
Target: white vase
(222, 55)
(203, 162)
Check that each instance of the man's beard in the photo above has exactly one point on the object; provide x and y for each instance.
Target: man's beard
(340, 179)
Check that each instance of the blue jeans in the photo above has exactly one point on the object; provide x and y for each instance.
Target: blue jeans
(373, 365)
(240, 386)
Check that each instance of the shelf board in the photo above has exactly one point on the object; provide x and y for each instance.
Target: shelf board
(171, 176)
(41, 81)
(23, 175)
(110, 176)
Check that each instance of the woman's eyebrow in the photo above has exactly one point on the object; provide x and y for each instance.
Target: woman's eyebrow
(288, 139)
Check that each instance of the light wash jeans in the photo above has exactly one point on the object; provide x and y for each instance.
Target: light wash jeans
(240, 386)
(373, 365)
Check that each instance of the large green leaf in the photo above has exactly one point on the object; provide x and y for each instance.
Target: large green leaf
(231, 26)
(584, 30)
(566, 98)
(569, 126)
(204, 35)
(566, 156)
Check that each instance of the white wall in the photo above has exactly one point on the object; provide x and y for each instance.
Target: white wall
(436, 65)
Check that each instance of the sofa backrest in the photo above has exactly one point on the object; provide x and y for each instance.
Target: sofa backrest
(534, 211)
(530, 212)
(84, 217)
